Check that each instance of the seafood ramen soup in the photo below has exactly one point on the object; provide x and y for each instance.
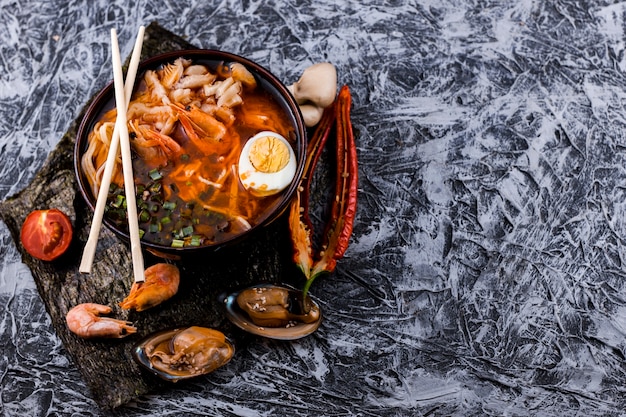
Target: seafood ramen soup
(188, 124)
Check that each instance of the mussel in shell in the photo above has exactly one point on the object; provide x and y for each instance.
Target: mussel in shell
(276, 306)
(184, 353)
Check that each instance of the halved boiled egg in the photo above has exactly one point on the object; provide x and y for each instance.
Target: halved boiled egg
(267, 164)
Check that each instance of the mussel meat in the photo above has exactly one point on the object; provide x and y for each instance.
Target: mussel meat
(184, 353)
(272, 306)
(260, 308)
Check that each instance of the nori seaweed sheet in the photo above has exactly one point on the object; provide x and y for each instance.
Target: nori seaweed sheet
(107, 366)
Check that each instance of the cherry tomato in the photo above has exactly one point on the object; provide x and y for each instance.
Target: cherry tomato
(46, 234)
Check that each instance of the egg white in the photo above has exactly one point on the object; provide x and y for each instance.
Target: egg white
(262, 183)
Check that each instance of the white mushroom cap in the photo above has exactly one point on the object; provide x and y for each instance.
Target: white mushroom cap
(315, 90)
(311, 114)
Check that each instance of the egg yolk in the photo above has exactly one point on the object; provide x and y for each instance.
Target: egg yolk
(269, 154)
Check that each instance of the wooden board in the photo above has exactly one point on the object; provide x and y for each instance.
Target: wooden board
(107, 366)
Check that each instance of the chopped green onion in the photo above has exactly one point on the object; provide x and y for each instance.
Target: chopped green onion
(169, 205)
(119, 201)
(155, 227)
(166, 220)
(187, 230)
(155, 174)
(156, 187)
(144, 216)
(141, 233)
(195, 240)
(177, 243)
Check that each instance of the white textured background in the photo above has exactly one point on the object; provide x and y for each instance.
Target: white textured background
(486, 274)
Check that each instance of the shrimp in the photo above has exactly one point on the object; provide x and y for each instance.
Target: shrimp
(204, 130)
(85, 321)
(161, 117)
(161, 284)
(153, 147)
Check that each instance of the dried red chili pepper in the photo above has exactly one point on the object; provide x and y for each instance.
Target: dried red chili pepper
(314, 151)
(299, 221)
(339, 228)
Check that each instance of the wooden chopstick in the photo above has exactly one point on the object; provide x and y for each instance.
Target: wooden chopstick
(96, 223)
(127, 163)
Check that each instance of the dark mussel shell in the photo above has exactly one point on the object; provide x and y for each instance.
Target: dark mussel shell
(184, 353)
(284, 319)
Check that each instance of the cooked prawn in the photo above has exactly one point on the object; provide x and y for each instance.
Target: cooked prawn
(154, 147)
(161, 283)
(85, 321)
(161, 117)
(206, 132)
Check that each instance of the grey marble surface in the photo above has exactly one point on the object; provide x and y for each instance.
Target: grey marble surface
(486, 273)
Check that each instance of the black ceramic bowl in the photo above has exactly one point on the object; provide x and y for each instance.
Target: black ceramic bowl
(105, 99)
